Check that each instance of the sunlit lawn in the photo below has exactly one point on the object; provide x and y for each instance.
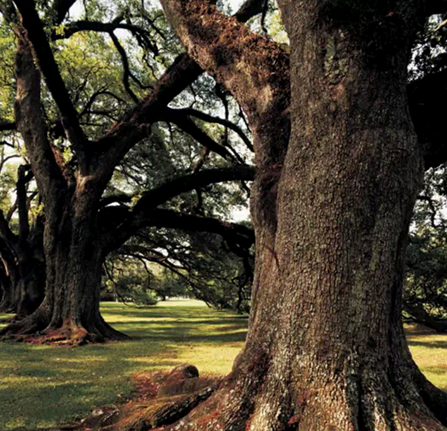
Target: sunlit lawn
(42, 386)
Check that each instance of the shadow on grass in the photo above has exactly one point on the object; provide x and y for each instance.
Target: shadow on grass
(43, 386)
(428, 344)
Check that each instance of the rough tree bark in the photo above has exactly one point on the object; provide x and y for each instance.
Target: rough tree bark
(22, 256)
(331, 209)
(72, 256)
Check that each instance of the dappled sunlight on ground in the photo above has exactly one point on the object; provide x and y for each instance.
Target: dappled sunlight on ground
(429, 350)
(43, 385)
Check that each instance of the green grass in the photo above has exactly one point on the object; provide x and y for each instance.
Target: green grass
(429, 350)
(42, 386)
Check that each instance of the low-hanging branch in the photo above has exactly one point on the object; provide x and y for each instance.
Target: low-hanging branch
(126, 223)
(238, 233)
(155, 197)
(163, 218)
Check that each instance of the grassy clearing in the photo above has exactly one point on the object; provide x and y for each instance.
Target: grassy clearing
(42, 386)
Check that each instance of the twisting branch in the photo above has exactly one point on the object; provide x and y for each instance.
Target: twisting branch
(127, 223)
(217, 120)
(126, 69)
(31, 22)
(93, 98)
(182, 73)
(188, 126)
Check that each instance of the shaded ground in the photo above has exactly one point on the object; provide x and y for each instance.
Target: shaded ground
(42, 386)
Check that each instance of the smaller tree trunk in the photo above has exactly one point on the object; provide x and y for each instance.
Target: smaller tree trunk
(30, 287)
(8, 278)
(73, 262)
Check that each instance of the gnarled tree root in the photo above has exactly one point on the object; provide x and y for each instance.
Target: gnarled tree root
(349, 403)
(37, 329)
(181, 401)
(161, 399)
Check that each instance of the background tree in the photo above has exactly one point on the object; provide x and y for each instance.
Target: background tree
(425, 294)
(209, 267)
(73, 162)
(21, 237)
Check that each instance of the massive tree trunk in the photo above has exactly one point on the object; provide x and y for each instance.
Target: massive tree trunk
(74, 257)
(325, 348)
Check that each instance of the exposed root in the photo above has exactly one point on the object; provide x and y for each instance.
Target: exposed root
(19, 330)
(161, 399)
(35, 329)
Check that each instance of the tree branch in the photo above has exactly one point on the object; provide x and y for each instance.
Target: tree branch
(177, 117)
(217, 120)
(126, 223)
(54, 81)
(31, 125)
(246, 63)
(132, 127)
(115, 198)
(126, 69)
(5, 231)
(162, 218)
(7, 125)
(171, 219)
(103, 27)
(24, 176)
(155, 197)
(61, 8)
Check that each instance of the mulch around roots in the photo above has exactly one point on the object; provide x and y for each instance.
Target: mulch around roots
(160, 398)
